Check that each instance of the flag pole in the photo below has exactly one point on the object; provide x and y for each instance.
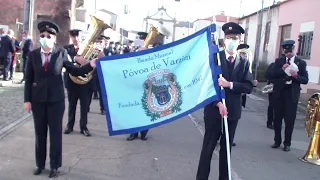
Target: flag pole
(225, 119)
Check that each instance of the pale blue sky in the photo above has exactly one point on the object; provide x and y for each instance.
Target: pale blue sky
(183, 11)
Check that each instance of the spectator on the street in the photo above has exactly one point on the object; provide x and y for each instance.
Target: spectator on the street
(7, 48)
(14, 57)
(2, 32)
(268, 76)
(27, 46)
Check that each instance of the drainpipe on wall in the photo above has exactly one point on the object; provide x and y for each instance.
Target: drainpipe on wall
(258, 42)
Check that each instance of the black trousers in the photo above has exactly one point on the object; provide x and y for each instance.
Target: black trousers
(98, 88)
(76, 92)
(270, 111)
(11, 69)
(213, 132)
(6, 66)
(24, 66)
(48, 115)
(287, 110)
(142, 133)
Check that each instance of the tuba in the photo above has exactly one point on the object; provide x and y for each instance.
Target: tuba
(312, 124)
(156, 36)
(152, 37)
(88, 50)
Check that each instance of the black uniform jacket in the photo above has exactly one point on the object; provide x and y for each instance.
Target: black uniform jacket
(7, 47)
(242, 83)
(41, 86)
(268, 74)
(280, 78)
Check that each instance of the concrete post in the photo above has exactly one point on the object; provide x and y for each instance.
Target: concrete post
(26, 13)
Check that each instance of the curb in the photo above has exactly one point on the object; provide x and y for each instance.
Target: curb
(257, 91)
(14, 125)
(11, 84)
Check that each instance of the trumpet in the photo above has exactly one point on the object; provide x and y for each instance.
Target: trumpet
(267, 89)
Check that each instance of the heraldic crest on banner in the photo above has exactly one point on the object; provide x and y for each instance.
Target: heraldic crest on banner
(162, 94)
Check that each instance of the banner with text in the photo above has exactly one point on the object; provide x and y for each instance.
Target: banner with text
(145, 89)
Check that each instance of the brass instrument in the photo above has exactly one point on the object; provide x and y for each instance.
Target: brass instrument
(151, 38)
(312, 124)
(156, 36)
(88, 50)
(267, 89)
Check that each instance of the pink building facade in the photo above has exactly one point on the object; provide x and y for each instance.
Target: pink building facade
(291, 19)
(299, 20)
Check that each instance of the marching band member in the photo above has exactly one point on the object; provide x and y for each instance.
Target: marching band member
(44, 94)
(270, 115)
(77, 91)
(142, 36)
(286, 92)
(96, 79)
(236, 80)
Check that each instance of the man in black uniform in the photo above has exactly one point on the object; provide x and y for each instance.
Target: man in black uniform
(101, 40)
(142, 36)
(270, 116)
(286, 92)
(44, 94)
(76, 91)
(236, 80)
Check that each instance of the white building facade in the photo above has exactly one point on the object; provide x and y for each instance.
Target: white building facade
(268, 50)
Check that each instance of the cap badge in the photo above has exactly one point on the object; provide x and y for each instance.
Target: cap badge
(230, 28)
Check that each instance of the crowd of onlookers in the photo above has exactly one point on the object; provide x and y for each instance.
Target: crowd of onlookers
(9, 47)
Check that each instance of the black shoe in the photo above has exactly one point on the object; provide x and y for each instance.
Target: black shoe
(67, 130)
(286, 148)
(132, 137)
(234, 144)
(103, 112)
(270, 126)
(275, 145)
(86, 132)
(53, 173)
(37, 171)
(144, 137)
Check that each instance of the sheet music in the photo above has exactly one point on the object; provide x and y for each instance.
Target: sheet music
(293, 67)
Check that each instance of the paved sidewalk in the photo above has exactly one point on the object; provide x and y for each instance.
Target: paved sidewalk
(169, 153)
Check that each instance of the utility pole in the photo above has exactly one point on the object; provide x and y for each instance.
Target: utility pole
(31, 14)
(26, 15)
(240, 11)
(258, 42)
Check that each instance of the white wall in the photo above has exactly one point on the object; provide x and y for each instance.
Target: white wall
(271, 53)
(182, 32)
(200, 24)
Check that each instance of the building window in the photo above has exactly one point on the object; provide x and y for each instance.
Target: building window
(305, 43)
(266, 37)
(285, 35)
(246, 35)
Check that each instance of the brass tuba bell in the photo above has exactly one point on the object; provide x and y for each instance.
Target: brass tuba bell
(312, 124)
(88, 50)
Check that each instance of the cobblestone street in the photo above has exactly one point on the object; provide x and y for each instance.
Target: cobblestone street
(11, 105)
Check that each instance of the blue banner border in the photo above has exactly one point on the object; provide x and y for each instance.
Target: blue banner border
(214, 70)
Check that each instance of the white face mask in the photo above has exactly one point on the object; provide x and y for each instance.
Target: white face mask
(231, 45)
(47, 43)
